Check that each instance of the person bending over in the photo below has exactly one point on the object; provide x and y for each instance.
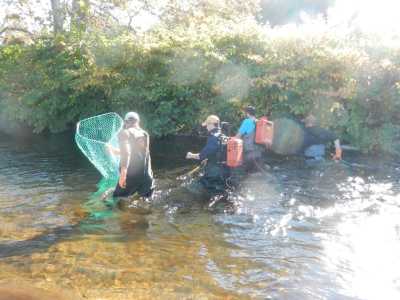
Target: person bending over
(315, 140)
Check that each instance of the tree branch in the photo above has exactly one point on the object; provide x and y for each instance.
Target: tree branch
(10, 28)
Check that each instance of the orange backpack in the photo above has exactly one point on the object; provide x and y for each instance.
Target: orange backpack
(234, 152)
(264, 131)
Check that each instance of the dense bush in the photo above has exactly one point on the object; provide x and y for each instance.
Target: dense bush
(175, 78)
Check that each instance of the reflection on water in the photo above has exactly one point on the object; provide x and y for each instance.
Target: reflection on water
(329, 232)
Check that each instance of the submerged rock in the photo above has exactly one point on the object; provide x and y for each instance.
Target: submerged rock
(26, 292)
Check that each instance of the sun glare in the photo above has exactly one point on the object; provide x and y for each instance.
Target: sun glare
(363, 254)
(380, 16)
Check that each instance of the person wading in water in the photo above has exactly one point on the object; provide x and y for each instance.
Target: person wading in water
(136, 175)
(252, 152)
(213, 181)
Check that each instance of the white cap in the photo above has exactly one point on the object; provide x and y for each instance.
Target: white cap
(211, 119)
(132, 116)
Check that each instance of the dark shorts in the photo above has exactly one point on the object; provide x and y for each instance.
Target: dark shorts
(212, 183)
(143, 185)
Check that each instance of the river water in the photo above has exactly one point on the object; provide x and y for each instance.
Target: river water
(294, 232)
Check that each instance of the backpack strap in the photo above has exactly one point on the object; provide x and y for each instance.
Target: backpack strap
(222, 144)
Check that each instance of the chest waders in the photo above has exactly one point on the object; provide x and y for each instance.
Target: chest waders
(139, 176)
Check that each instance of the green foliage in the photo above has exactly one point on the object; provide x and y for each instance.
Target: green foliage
(50, 85)
(174, 78)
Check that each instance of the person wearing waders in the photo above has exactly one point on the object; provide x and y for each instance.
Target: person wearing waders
(315, 140)
(136, 175)
(251, 151)
(213, 181)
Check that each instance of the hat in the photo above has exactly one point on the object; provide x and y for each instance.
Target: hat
(132, 116)
(250, 110)
(211, 119)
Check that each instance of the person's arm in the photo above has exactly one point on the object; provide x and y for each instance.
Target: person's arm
(326, 136)
(243, 129)
(338, 150)
(124, 152)
(147, 143)
(112, 150)
(209, 148)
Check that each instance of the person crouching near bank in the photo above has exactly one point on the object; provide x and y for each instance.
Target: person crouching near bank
(315, 140)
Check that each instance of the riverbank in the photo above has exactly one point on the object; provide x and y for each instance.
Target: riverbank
(175, 79)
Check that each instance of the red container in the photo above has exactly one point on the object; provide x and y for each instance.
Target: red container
(264, 131)
(234, 152)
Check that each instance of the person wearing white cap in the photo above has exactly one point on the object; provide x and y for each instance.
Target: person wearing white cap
(213, 182)
(136, 175)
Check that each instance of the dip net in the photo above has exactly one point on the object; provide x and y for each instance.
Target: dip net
(92, 135)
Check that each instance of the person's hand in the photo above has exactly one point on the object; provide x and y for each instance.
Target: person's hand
(112, 150)
(122, 182)
(338, 155)
(268, 144)
(122, 179)
(109, 149)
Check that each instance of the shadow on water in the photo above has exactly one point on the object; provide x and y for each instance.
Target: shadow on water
(39, 243)
(96, 218)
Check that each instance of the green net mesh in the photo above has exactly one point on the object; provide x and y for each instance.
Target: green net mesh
(92, 135)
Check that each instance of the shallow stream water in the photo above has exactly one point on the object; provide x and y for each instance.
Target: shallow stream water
(293, 232)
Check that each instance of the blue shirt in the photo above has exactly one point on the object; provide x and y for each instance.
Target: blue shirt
(211, 147)
(248, 126)
(317, 136)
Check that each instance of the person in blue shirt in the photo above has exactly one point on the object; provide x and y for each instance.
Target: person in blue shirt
(213, 181)
(247, 130)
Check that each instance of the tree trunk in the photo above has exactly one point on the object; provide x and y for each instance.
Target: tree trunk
(80, 11)
(58, 16)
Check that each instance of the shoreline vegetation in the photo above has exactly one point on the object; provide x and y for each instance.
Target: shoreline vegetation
(175, 77)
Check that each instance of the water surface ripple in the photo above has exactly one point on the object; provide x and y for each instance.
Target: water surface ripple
(330, 232)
